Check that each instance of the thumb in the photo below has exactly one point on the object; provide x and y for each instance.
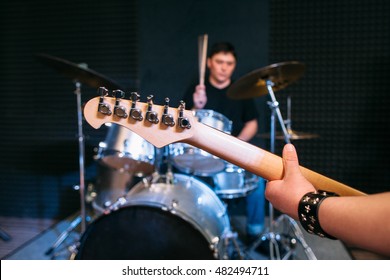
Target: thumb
(290, 161)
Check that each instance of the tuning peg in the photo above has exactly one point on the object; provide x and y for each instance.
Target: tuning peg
(183, 121)
(167, 118)
(135, 113)
(103, 108)
(151, 116)
(119, 110)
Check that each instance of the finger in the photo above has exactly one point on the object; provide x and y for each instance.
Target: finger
(270, 190)
(290, 161)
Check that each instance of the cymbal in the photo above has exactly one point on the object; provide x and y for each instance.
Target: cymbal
(78, 72)
(254, 84)
(293, 134)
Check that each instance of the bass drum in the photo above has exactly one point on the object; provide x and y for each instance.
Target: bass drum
(191, 160)
(166, 217)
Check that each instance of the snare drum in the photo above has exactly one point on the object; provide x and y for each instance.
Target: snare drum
(125, 150)
(161, 219)
(192, 160)
(234, 182)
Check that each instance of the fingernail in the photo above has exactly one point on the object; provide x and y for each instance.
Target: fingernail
(290, 147)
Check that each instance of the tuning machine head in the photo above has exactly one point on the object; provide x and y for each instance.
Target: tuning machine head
(167, 118)
(183, 121)
(103, 107)
(135, 113)
(151, 116)
(119, 110)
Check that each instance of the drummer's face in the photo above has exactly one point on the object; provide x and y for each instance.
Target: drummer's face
(221, 66)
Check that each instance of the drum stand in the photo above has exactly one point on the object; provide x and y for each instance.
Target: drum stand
(82, 218)
(270, 235)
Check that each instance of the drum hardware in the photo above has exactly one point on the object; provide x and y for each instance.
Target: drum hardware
(78, 73)
(288, 240)
(82, 219)
(292, 134)
(257, 83)
(62, 237)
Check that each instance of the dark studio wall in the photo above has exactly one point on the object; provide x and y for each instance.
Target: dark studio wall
(344, 93)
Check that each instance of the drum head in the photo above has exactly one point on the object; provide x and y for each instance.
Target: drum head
(194, 161)
(143, 233)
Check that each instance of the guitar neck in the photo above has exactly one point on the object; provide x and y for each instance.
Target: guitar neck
(220, 144)
(256, 160)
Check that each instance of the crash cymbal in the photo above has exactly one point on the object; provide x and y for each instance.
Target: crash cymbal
(254, 84)
(78, 72)
(294, 135)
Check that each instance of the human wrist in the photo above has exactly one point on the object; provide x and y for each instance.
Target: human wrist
(308, 212)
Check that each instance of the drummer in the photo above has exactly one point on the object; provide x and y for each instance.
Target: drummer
(212, 95)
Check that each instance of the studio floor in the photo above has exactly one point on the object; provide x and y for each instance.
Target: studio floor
(31, 239)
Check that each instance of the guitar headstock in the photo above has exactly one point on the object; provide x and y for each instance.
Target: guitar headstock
(159, 125)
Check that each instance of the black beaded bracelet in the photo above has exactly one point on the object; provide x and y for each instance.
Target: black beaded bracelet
(308, 212)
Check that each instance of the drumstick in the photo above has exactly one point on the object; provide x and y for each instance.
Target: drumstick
(202, 54)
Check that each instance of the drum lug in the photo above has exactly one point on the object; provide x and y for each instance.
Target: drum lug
(214, 247)
(174, 204)
(116, 205)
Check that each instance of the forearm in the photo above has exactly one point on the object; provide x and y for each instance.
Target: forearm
(362, 221)
(248, 131)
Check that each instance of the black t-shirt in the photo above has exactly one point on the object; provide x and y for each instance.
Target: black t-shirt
(237, 111)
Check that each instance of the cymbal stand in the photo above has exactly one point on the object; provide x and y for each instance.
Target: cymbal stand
(270, 234)
(82, 218)
(287, 121)
(81, 157)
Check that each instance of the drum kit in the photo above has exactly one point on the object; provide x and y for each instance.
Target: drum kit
(141, 208)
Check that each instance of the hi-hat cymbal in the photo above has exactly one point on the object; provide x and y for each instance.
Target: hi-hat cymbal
(254, 84)
(293, 135)
(78, 72)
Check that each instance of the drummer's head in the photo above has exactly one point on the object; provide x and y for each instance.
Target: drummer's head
(221, 63)
(222, 47)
